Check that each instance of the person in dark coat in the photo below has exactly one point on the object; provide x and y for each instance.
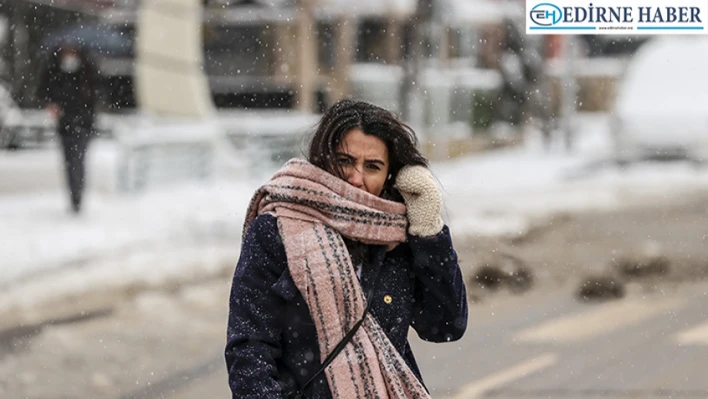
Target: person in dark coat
(349, 242)
(68, 86)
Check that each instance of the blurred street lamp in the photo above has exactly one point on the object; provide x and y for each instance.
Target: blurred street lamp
(307, 56)
(411, 90)
(569, 92)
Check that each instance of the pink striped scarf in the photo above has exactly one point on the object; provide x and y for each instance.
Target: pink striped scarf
(314, 209)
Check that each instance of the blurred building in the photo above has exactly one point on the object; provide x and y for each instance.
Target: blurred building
(257, 53)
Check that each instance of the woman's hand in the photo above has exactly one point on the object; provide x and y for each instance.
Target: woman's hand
(423, 200)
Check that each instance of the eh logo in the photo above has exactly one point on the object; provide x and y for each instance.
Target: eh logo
(546, 14)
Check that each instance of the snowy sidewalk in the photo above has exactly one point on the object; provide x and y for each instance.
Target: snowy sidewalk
(150, 235)
(505, 193)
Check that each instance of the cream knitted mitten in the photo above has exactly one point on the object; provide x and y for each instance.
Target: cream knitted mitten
(423, 200)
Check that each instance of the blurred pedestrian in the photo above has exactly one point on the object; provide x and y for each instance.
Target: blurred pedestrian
(341, 254)
(68, 86)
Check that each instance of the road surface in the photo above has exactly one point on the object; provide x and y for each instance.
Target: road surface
(545, 344)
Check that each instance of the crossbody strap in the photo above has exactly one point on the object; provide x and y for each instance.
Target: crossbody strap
(343, 343)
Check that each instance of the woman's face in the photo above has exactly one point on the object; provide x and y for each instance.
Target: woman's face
(363, 160)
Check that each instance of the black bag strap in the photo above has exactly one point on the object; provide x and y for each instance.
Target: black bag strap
(343, 343)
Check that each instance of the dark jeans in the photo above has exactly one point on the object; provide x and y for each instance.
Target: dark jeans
(74, 142)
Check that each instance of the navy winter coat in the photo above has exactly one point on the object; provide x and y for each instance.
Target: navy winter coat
(272, 347)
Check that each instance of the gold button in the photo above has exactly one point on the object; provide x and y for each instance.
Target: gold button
(388, 299)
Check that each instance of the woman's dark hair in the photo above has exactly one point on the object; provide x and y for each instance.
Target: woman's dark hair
(346, 115)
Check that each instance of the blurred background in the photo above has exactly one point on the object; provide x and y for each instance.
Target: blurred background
(573, 170)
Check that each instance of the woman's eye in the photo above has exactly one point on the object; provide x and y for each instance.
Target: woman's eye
(373, 166)
(344, 161)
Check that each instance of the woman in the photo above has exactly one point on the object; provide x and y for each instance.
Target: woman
(333, 261)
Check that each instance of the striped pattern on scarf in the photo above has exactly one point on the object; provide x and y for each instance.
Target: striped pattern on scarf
(314, 210)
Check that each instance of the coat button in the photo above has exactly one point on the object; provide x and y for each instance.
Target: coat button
(388, 299)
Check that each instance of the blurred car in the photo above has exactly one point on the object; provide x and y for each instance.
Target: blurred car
(661, 108)
(613, 45)
(10, 119)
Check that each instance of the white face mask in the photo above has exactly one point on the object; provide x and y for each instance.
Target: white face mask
(70, 63)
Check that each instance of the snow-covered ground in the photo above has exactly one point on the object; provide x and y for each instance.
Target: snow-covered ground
(505, 192)
(186, 231)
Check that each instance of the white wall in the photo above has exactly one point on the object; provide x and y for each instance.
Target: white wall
(169, 76)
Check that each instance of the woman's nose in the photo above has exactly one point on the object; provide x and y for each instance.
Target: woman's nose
(356, 178)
